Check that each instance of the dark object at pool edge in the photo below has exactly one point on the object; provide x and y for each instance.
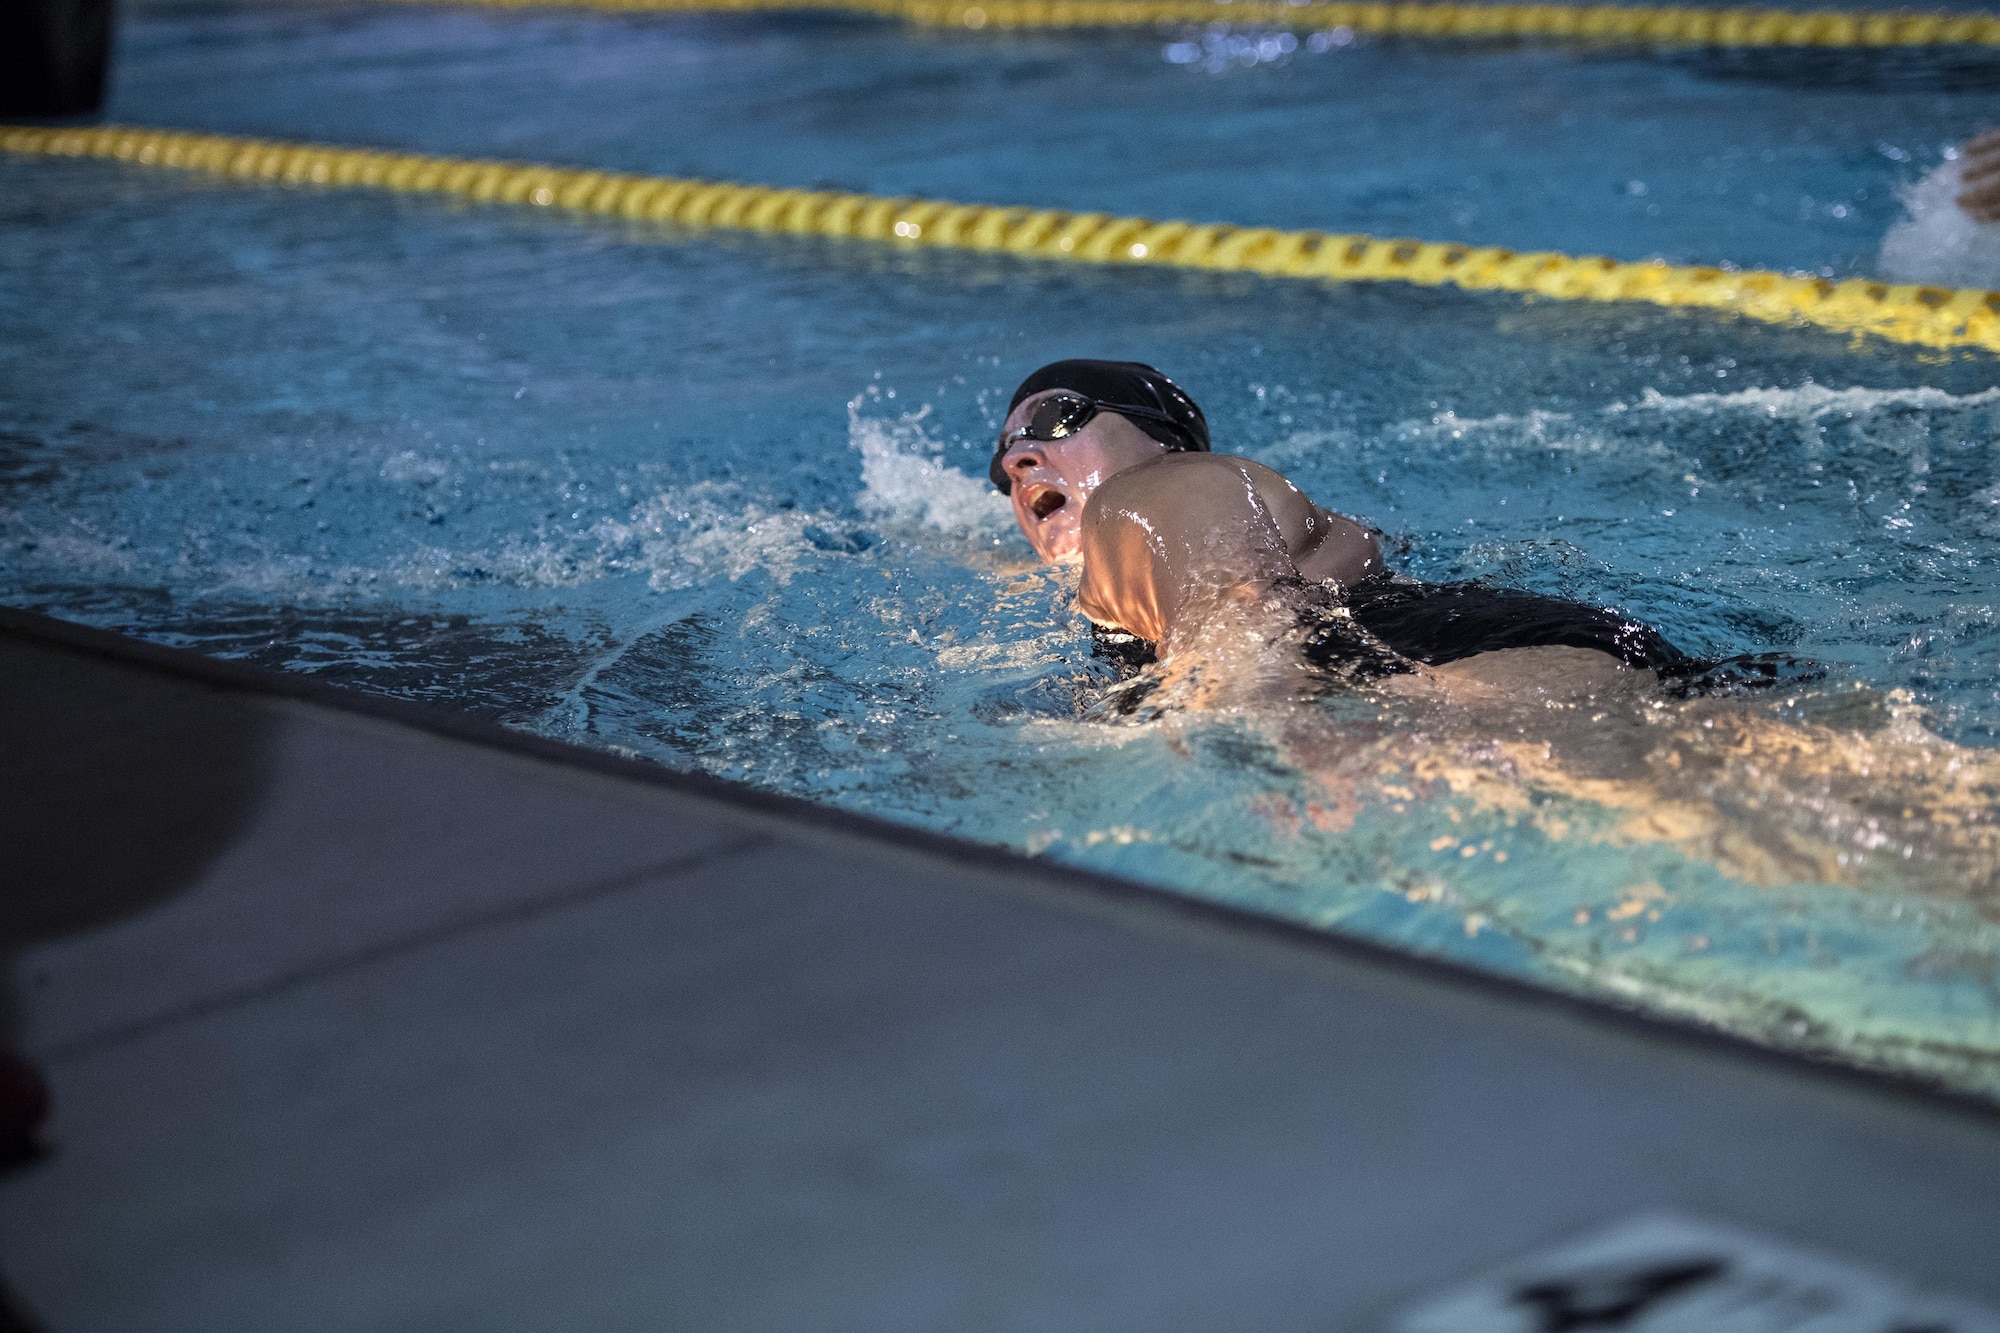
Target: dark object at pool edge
(54, 55)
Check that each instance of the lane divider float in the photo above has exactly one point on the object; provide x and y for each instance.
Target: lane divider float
(1925, 316)
(1624, 24)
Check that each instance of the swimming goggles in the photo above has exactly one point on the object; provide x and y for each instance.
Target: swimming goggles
(1062, 415)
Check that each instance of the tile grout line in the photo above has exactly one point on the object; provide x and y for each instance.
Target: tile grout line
(96, 1043)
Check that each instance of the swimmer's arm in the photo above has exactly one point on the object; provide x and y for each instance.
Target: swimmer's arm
(1979, 181)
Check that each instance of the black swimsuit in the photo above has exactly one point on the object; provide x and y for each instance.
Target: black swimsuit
(1392, 622)
(1435, 623)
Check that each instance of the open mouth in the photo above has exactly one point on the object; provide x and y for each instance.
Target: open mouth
(1046, 501)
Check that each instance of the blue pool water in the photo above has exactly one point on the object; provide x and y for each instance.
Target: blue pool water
(1689, 156)
(715, 500)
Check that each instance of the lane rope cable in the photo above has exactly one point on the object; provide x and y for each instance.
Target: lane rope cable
(1642, 24)
(1925, 316)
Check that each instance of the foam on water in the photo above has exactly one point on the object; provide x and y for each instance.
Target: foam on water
(1810, 400)
(1935, 243)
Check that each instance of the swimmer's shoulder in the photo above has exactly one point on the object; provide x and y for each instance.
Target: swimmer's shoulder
(1278, 492)
(1189, 487)
(1177, 472)
(1182, 465)
(1170, 482)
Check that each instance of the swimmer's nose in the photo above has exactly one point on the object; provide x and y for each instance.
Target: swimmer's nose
(1022, 460)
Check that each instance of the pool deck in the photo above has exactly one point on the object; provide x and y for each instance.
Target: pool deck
(360, 1016)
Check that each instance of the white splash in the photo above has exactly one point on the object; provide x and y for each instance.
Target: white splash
(516, 563)
(679, 537)
(1575, 432)
(904, 480)
(1001, 655)
(692, 535)
(1809, 400)
(1936, 243)
(1536, 429)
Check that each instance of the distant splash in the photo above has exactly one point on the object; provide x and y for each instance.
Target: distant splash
(1625, 425)
(1936, 243)
(1805, 400)
(1811, 400)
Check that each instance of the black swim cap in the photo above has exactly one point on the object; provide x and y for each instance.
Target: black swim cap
(1163, 410)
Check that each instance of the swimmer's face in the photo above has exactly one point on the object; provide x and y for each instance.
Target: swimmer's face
(1053, 479)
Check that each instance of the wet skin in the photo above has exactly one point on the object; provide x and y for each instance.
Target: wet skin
(1155, 530)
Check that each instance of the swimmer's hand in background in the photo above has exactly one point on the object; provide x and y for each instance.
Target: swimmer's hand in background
(1979, 180)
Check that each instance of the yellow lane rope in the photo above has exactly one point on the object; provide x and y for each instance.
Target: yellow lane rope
(1653, 25)
(1927, 316)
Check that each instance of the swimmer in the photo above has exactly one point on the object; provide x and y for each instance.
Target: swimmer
(1107, 464)
(1242, 593)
